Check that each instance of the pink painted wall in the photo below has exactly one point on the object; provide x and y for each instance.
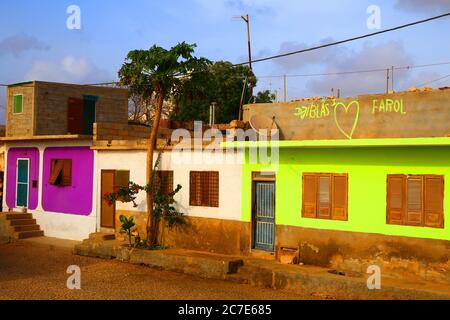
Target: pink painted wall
(12, 156)
(77, 198)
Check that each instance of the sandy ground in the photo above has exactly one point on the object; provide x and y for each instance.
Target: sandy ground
(29, 271)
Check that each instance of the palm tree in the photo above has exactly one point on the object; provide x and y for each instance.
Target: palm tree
(158, 72)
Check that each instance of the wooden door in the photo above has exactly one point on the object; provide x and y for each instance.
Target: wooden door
(108, 212)
(75, 116)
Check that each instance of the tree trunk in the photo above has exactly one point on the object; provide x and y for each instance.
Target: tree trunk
(152, 227)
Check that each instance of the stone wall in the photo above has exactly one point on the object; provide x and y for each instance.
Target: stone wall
(399, 115)
(353, 252)
(51, 105)
(200, 234)
(6, 231)
(119, 131)
(21, 124)
(45, 107)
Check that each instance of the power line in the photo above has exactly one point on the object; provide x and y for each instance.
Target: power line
(346, 40)
(325, 46)
(435, 80)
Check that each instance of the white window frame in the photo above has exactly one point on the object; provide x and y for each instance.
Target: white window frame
(17, 181)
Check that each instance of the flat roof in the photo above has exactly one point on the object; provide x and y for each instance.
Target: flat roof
(48, 137)
(354, 143)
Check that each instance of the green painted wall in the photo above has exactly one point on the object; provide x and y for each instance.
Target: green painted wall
(367, 169)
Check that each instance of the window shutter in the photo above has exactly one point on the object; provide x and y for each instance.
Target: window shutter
(56, 167)
(18, 103)
(309, 203)
(213, 189)
(75, 116)
(434, 201)
(396, 199)
(66, 173)
(339, 197)
(165, 181)
(194, 188)
(122, 179)
(414, 201)
(324, 197)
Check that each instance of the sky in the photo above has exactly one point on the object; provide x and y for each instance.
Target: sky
(35, 43)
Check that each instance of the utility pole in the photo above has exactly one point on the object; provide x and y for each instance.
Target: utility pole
(284, 88)
(387, 81)
(246, 18)
(392, 78)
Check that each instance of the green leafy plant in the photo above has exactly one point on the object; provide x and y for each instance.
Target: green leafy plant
(127, 227)
(164, 212)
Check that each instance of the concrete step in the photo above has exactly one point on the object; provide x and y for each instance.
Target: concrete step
(31, 227)
(18, 216)
(29, 234)
(22, 222)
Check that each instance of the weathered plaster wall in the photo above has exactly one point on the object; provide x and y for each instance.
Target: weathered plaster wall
(76, 198)
(20, 124)
(399, 115)
(51, 105)
(229, 179)
(11, 175)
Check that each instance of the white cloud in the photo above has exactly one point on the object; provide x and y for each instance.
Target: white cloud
(423, 5)
(369, 56)
(20, 43)
(70, 69)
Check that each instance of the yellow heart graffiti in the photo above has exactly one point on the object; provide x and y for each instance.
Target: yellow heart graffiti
(346, 107)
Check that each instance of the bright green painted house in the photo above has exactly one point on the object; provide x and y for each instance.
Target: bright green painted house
(346, 182)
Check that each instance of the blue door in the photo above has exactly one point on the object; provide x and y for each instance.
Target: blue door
(264, 215)
(22, 182)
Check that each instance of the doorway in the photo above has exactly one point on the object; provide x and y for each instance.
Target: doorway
(263, 211)
(108, 212)
(22, 182)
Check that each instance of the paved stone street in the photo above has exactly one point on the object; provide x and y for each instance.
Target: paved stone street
(30, 271)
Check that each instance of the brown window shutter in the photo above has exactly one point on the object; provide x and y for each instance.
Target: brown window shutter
(121, 179)
(324, 196)
(414, 201)
(165, 181)
(213, 189)
(75, 115)
(339, 197)
(66, 173)
(396, 185)
(309, 203)
(204, 189)
(56, 166)
(434, 201)
(194, 188)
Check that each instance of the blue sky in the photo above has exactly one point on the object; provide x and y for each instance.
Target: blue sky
(36, 45)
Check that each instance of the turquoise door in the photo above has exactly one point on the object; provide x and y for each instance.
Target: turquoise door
(22, 182)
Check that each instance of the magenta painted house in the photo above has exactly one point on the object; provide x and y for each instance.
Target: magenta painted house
(22, 162)
(75, 198)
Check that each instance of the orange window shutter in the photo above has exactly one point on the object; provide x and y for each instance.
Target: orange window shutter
(66, 178)
(324, 196)
(434, 201)
(340, 197)
(56, 167)
(396, 187)
(309, 203)
(414, 201)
